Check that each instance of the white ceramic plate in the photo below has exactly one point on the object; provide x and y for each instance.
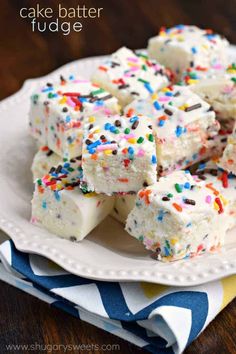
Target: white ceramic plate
(108, 253)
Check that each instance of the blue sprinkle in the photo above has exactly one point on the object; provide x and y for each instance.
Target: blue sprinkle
(92, 151)
(66, 164)
(99, 103)
(169, 94)
(187, 185)
(154, 159)
(57, 195)
(161, 122)
(195, 156)
(71, 77)
(55, 95)
(167, 252)
(160, 215)
(130, 150)
(157, 105)
(83, 99)
(202, 166)
(148, 87)
(189, 224)
(179, 26)
(178, 131)
(194, 50)
(68, 119)
(48, 89)
(187, 171)
(112, 129)
(133, 119)
(44, 204)
(107, 126)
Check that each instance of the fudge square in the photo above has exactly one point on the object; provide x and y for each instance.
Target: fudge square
(179, 216)
(184, 126)
(119, 154)
(183, 46)
(57, 112)
(127, 75)
(61, 207)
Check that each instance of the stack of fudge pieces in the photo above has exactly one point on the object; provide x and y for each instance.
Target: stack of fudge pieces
(120, 144)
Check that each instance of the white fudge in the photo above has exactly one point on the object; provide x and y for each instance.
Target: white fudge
(61, 207)
(127, 75)
(217, 86)
(184, 46)
(228, 160)
(179, 216)
(224, 183)
(57, 112)
(123, 206)
(43, 160)
(119, 154)
(184, 125)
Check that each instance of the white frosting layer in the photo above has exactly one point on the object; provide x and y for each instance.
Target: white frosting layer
(127, 75)
(228, 160)
(183, 123)
(183, 46)
(57, 112)
(119, 154)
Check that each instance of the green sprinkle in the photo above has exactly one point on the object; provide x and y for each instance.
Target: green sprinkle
(50, 95)
(178, 188)
(144, 81)
(117, 131)
(140, 140)
(144, 67)
(52, 127)
(96, 92)
(70, 169)
(39, 181)
(141, 238)
(170, 195)
(151, 137)
(127, 131)
(233, 79)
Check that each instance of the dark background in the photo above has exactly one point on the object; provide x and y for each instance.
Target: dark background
(23, 55)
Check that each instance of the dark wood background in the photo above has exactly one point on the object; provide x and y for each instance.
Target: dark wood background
(23, 54)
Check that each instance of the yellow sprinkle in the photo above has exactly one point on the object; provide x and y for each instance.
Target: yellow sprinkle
(132, 140)
(91, 119)
(183, 107)
(37, 120)
(191, 81)
(173, 241)
(180, 39)
(165, 89)
(89, 195)
(62, 100)
(231, 71)
(108, 152)
(154, 96)
(225, 201)
(216, 206)
(96, 131)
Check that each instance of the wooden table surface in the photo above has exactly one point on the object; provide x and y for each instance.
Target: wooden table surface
(24, 54)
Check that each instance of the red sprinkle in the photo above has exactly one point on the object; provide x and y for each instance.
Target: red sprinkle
(218, 202)
(224, 179)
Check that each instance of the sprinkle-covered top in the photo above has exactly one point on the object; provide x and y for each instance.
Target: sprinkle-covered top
(194, 40)
(193, 75)
(131, 74)
(184, 196)
(172, 109)
(65, 176)
(73, 98)
(131, 137)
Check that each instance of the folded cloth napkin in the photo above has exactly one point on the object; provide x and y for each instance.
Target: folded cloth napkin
(158, 318)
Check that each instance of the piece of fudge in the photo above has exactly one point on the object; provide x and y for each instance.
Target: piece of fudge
(181, 47)
(43, 160)
(57, 112)
(180, 216)
(128, 75)
(217, 86)
(184, 125)
(228, 160)
(61, 207)
(225, 183)
(119, 154)
(123, 206)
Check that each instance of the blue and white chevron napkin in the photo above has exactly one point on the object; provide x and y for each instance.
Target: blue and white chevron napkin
(160, 319)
